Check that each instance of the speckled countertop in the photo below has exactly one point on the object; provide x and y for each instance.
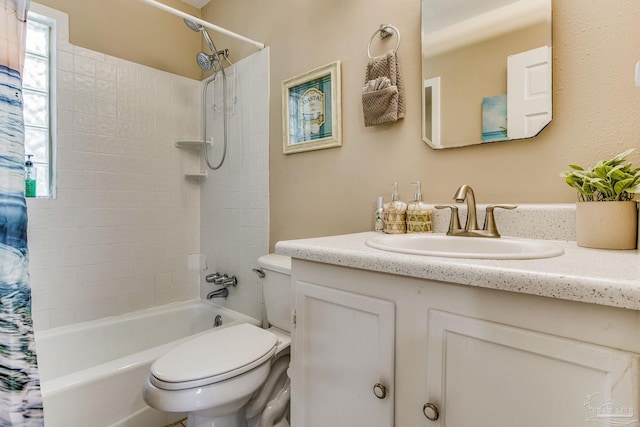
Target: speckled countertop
(588, 275)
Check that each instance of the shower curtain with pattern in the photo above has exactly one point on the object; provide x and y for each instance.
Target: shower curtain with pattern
(20, 398)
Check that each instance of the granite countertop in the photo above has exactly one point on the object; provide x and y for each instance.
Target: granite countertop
(595, 276)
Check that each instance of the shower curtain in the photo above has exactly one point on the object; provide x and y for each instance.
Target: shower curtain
(20, 398)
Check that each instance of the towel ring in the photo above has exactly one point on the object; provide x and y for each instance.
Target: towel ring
(384, 33)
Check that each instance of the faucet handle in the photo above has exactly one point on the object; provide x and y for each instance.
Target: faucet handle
(490, 220)
(211, 278)
(454, 222)
(220, 279)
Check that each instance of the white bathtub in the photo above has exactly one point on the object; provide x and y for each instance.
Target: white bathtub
(92, 373)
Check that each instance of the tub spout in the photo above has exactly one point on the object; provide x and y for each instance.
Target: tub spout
(218, 293)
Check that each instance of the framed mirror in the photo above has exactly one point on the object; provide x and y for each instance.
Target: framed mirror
(486, 70)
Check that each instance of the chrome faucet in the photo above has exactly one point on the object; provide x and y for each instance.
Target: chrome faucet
(471, 228)
(219, 293)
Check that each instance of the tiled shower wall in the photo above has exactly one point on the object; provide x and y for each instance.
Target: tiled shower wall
(117, 237)
(235, 198)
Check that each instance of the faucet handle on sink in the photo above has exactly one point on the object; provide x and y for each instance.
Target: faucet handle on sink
(454, 222)
(490, 220)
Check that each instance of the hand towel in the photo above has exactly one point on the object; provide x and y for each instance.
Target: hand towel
(385, 105)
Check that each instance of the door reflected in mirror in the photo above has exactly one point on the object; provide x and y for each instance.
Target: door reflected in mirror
(486, 70)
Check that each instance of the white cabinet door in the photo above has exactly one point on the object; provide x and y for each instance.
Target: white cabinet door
(343, 346)
(486, 374)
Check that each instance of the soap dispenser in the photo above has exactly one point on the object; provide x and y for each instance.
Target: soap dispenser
(29, 178)
(394, 213)
(418, 214)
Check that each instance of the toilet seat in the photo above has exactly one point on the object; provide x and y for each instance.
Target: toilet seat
(213, 357)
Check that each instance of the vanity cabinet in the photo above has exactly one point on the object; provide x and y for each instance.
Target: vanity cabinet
(343, 353)
(464, 356)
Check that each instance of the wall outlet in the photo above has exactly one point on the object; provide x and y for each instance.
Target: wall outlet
(638, 74)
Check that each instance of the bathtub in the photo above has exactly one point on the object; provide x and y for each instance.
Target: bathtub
(92, 373)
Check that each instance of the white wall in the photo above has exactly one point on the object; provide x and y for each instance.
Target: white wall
(117, 237)
(235, 198)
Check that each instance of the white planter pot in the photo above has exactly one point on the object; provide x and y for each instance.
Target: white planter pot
(607, 225)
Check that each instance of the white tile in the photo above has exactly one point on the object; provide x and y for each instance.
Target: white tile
(64, 61)
(65, 120)
(65, 81)
(84, 84)
(106, 181)
(106, 71)
(106, 126)
(84, 123)
(106, 107)
(106, 89)
(41, 320)
(62, 315)
(84, 65)
(106, 163)
(123, 208)
(87, 53)
(106, 144)
(96, 309)
(65, 100)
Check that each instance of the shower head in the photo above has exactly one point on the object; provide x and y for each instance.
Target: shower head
(199, 28)
(195, 27)
(205, 61)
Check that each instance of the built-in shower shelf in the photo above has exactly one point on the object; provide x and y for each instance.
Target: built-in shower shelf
(196, 175)
(191, 144)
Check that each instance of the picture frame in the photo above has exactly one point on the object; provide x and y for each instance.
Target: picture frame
(311, 108)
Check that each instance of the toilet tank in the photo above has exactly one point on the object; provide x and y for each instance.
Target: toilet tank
(276, 288)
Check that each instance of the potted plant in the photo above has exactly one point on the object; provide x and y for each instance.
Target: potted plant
(606, 214)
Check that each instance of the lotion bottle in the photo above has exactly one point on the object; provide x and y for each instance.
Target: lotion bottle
(29, 178)
(418, 214)
(394, 213)
(379, 221)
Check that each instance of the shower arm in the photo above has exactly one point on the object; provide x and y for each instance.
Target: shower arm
(205, 24)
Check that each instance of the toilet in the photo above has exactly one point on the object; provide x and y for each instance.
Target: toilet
(234, 376)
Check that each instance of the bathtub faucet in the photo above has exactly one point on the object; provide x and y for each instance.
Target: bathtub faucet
(219, 293)
(221, 279)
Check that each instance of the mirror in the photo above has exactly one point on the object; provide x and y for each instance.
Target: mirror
(486, 70)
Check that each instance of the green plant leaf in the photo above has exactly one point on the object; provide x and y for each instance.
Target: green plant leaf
(621, 186)
(607, 180)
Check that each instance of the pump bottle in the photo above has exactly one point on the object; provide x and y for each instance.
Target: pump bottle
(29, 178)
(394, 213)
(418, 214)
(379, 220)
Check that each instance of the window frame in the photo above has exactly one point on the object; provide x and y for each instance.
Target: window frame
(51, 96)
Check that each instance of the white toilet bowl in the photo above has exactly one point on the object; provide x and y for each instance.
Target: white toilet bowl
(213, 376)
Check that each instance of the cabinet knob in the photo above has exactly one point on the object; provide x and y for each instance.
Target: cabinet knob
(431, 411)
(380, 391)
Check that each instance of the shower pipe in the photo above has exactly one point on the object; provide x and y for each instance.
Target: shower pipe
(215, 56)
(205, 24)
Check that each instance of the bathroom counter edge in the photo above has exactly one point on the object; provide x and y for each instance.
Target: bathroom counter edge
(604, 277)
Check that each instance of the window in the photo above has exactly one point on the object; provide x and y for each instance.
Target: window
(38, 97)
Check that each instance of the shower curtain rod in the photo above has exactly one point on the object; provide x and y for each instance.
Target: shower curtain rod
(201, 22)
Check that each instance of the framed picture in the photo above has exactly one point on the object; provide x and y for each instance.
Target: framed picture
(312, 119)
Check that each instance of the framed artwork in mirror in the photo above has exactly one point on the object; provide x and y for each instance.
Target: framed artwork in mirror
(311, 110)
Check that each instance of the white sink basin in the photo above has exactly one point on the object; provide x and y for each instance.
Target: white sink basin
(442, 245)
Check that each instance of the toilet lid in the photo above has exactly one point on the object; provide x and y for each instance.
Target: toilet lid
(215, 356)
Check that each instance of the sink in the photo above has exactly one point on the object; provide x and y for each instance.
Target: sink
(441, 245)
